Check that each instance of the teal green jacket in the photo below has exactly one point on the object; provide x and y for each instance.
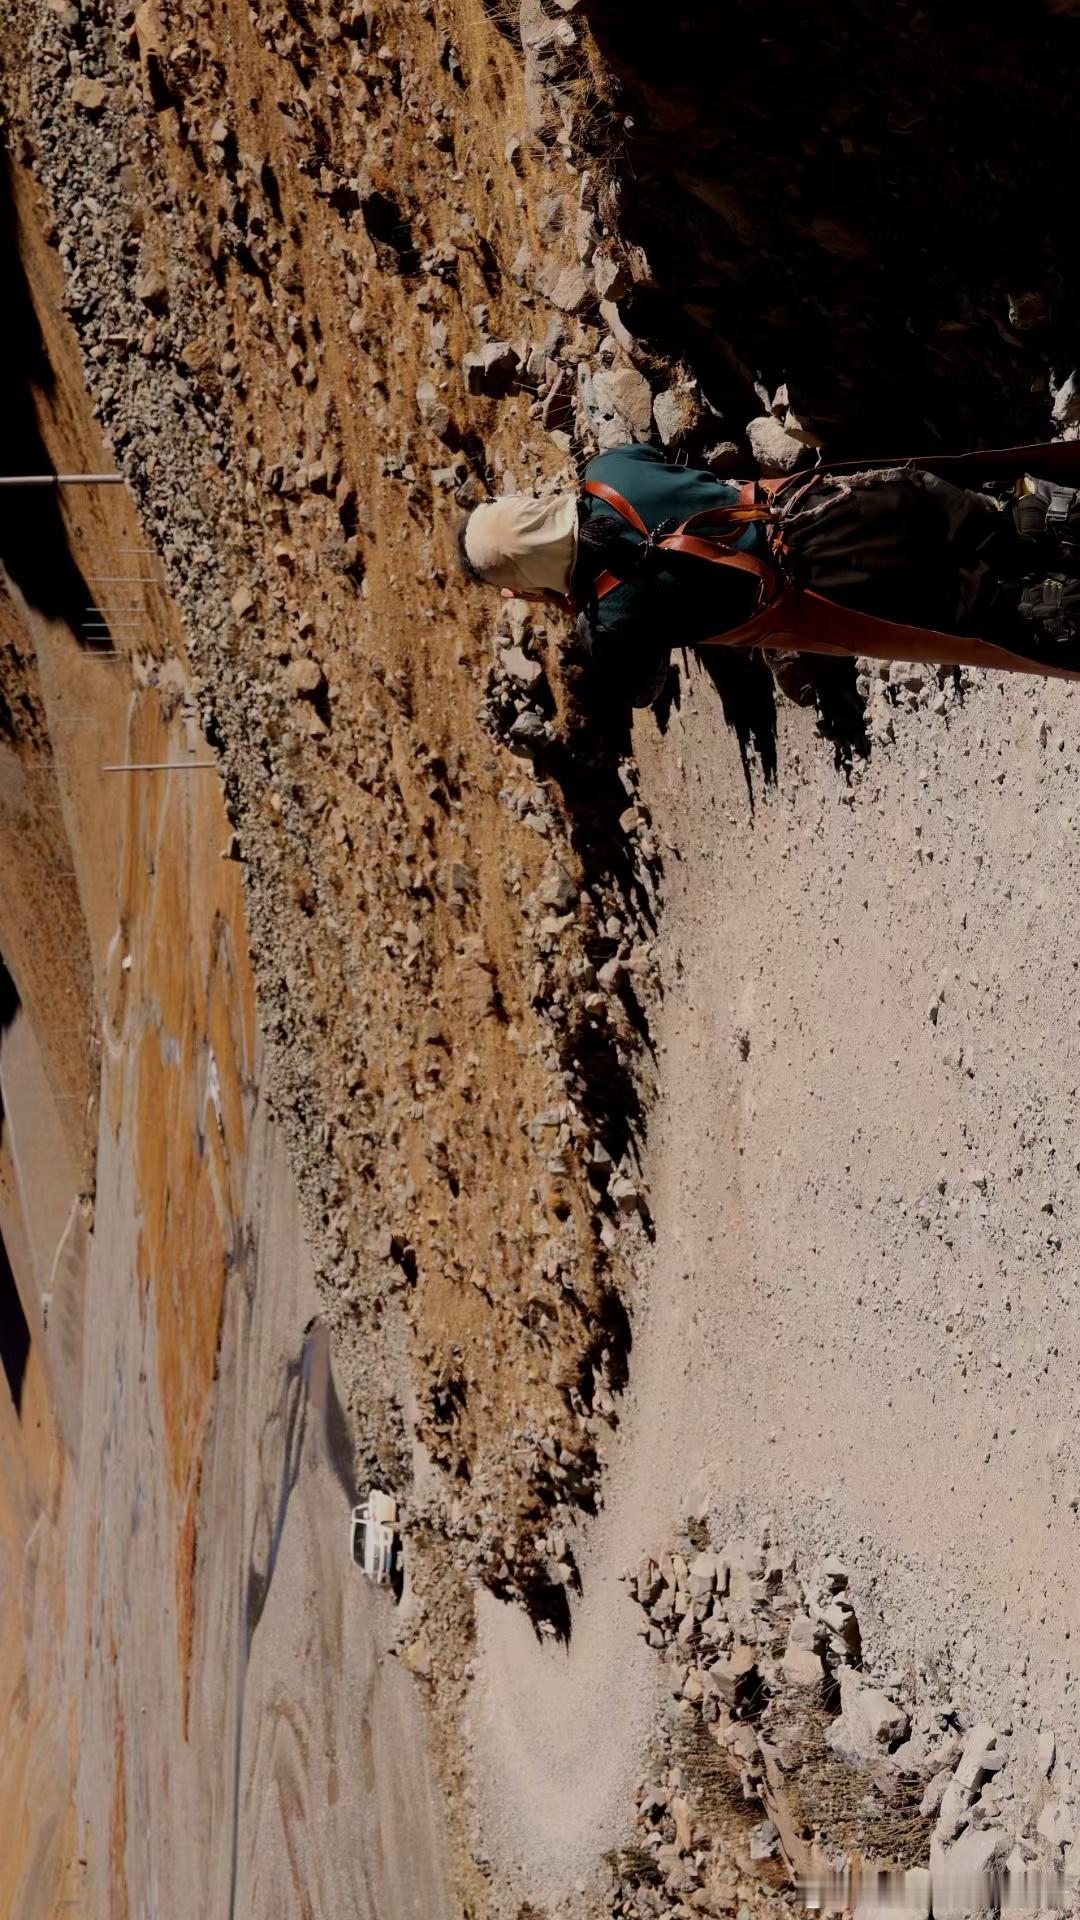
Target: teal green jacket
(629, 634)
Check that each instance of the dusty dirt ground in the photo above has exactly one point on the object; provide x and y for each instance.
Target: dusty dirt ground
(856, 1316)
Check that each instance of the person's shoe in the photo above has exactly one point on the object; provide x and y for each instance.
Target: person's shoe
(794, 675)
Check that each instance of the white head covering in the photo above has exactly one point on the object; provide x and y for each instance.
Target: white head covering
(524, 543)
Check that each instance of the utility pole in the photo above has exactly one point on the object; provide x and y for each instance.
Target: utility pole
(61, 479)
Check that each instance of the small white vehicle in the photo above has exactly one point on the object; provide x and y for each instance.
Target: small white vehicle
(374, 1541)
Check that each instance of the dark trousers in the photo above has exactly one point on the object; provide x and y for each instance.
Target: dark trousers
(910, 547)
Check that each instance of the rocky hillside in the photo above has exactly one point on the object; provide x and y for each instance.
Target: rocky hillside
(307, 259)
(868, 206)
(335, 274)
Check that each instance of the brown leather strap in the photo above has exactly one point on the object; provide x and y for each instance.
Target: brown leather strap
(613, 499)
(731, 518)
(719, 556)
(808, 623)
(737, 517)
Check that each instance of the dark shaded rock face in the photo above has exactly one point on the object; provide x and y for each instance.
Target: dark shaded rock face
(874, 202)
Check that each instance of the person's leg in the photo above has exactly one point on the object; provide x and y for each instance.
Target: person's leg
(1023, 578)
(878, 543)
(793, 674)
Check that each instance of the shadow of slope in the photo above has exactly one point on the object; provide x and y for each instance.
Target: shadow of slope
(34, 546)
(14, 1332)
(9, 1007)
(872, 200)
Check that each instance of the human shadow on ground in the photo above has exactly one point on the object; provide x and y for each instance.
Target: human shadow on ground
(747, 689)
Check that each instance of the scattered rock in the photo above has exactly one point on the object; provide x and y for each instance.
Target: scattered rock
(417, 1657)
(981, 1757)
(516, 662)
(703, 1571)
(764, 1840)
(493, 370)
(869, 1722)
(152, 289)
(1055, 1824)
(961, 1873)
(934, 1791)
(528, 733)
(305, 677)
(736, 1677)
(626, 1194)
(675, 412)
(802, 1667)
(433, 410)
(558, 891)
(625, 396)
(90, 95)
(774, 451)
(570, 290)
(610, 277)
(501, 364)
(1066, 410)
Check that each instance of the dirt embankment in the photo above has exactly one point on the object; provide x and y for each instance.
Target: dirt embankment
(449, 952)
(197, 1703)
(301, 232)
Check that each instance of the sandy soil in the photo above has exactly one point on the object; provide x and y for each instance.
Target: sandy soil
(398, 865)
(857, 1313)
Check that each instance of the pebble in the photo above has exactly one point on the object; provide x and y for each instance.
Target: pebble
(625, 396)
(90, 95)
(305, 677)
(674, 411)
(774, 451)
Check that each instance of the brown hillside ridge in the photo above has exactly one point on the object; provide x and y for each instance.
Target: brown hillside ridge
(174, 1354)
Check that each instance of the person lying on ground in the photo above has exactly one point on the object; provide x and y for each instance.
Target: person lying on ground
(901, 562)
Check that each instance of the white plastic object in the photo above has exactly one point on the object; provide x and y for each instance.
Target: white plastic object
(373, 1536)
